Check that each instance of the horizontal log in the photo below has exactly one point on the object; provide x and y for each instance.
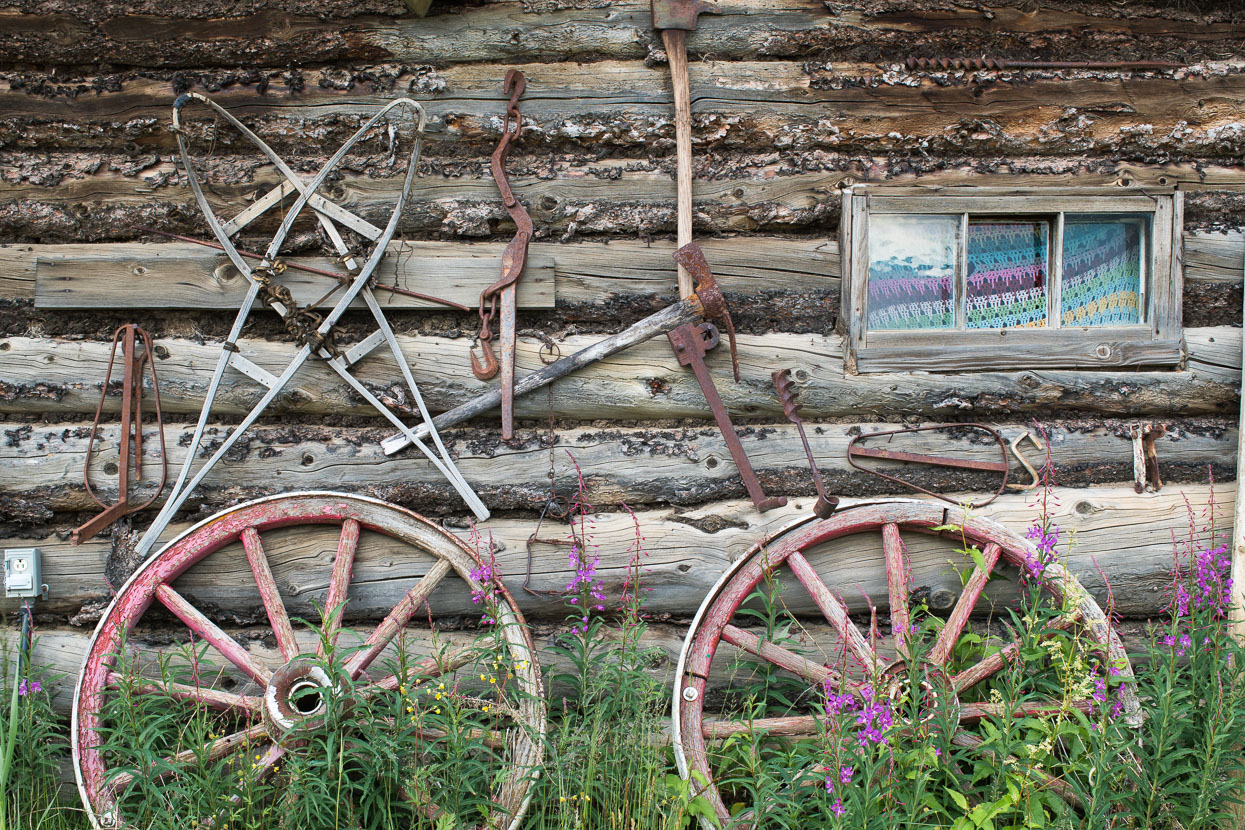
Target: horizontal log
(492, 31)
(625, 105)
(1113, 531)
(619, 197)
(181, 275)
(636, 466)
(154, 275)
(47, 376)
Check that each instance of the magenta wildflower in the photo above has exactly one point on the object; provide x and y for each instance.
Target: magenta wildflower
(845, 774)
(1044, 540)
(1100, 689)
(24, 688)
(484, 574)
(874, 720)
(837, 807)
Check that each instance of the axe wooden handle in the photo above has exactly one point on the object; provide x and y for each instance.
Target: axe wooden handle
(675, 41)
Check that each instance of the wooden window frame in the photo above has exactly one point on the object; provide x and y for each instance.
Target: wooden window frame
(1157, 343)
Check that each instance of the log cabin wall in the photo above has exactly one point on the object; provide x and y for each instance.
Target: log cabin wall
(792, 100)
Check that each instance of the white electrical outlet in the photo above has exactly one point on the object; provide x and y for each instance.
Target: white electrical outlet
(21, 573)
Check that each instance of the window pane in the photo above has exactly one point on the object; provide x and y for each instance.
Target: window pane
(1101, 271)
(1006, 276)
(912, 271)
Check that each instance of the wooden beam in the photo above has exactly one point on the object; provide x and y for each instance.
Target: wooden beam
(1115, 531)
(182, 275)
(636, 466)
(50, 377)
(156, 275)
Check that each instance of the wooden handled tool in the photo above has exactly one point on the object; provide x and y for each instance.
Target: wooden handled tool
(674, 19)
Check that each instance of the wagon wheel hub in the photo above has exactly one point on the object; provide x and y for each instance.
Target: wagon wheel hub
(932, 689)
(297, 697)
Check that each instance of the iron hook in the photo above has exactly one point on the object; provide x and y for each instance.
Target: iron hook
(487, 369)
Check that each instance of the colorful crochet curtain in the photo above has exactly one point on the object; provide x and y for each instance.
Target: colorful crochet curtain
(1007, 275)
(1101, 273)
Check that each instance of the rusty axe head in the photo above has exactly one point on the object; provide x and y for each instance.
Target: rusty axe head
(710, 295)
(680, 14)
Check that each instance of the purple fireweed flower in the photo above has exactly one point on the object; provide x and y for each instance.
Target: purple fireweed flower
(484, 574)
(874, 719)
(845, 774)
(1044, 539)
(837, 807)
(24, 688)
(1100, 689)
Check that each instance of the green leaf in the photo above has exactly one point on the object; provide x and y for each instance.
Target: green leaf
(958, 798)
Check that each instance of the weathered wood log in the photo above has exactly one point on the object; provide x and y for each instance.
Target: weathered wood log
(492, 31)
(624, 104)
(622, 197)
(1114, 532)
(636, 466)
(153, 275)
(182, 275)
(39, 375)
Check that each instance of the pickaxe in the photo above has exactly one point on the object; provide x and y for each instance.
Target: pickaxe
(674, 19)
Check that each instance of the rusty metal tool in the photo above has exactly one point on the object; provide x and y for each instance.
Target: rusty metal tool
(128, 338)
(1002, 63)
(856, 451)
(513, 259)
(674, 19)
(1014, 446)
(706, 304)
(788, 396)
(691, 343)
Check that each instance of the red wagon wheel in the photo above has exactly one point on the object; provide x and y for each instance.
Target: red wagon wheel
(881, 526)
(267, 697)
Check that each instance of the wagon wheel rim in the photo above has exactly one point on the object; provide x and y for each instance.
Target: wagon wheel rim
(891, 519)
(150, 586)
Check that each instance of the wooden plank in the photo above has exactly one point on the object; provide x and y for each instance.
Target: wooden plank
(1066, 348)
(951, 202)
(42, 463)
(1215, 353)
(586, 272)
(183, 275)
(49, 376)
(1117, 532)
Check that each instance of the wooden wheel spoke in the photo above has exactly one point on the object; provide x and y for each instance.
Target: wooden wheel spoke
(799, 726)
(213, 698)
(229, 648)
(217, 749)
(339, 583)
(970, 712)
(992, 664)
(832, 610)
(427, 668)
(269, 595)
(896, 555)
(964, 606)
(810, 670)
(396, 619)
